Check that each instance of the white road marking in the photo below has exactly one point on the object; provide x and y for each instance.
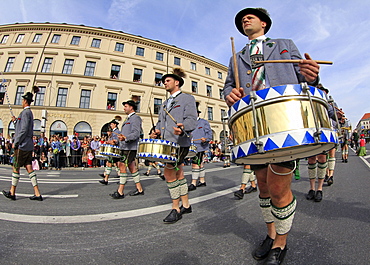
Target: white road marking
(71, 219)
(49, 196)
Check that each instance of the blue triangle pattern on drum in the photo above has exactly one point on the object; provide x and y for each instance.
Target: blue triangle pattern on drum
(240, 152)
(290, 141)
(236, 105)
(321, 92)
(270, 145)
(312, 90)
(298, 89)
(252, 149)
(263, 93)
(279, 89)
(160, 157)
(247, 100)
(232, 156)
(332, 139)
(323, 137)
(308, 139)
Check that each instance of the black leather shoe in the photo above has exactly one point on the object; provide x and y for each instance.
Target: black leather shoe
(36, 198)
(276, 256)
(250, 189)
(102, 175)
(318, 196)
(173, 217)
(116, 195)
(184, 210)
(8, 195)
(310, 195)
(330, 181)
(136, 192)
(264, 248)
(326, 178)
(162, 177)
(239, 194)
(200, 184)
(191, 187)
(103, 182)
(146, 174)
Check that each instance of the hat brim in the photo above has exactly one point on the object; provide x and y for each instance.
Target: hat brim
(129, 103)
(262, 16)
(176, 77)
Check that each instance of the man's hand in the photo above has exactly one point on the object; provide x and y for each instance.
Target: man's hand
(121, 137)
(179, 129)
(235, 95)
(309, 68)
(155, 133)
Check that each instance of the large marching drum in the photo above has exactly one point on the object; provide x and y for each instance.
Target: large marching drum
(158, 150)
(281, 123)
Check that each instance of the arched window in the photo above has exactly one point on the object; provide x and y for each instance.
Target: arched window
(82, 129)
(58, 128)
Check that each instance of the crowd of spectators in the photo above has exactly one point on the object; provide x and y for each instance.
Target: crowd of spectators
(59, 152)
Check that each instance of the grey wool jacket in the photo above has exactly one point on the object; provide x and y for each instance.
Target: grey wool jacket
(183, 110)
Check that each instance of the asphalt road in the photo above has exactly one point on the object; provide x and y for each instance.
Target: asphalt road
(78, 222)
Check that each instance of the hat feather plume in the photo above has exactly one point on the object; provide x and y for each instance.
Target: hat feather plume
(180, 72)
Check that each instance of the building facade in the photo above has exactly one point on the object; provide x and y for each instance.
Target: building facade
(363, 126)
(85, 73)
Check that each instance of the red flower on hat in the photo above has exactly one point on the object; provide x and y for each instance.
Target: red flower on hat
(283, 51)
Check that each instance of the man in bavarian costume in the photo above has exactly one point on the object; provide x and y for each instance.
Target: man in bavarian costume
(23, 147)
(276, 199)
(202, 135)
(128, 143)
(182, 108)
(112, 140)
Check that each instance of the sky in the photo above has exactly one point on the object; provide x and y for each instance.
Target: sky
(332, 30)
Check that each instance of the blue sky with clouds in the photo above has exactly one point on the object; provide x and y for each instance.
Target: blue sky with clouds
(328, 30)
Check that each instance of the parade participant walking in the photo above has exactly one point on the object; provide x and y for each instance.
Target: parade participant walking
(247, 177)
(202, 135)
(23, 147)
(128, 143)
(113, 140)
(182, 108)
(277, 202)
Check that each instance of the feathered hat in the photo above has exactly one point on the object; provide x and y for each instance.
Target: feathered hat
(178, 74)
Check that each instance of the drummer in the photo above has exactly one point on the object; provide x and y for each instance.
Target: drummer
(128, 143)
(112, 140)
(277, 202)
(183, 110)
(202, 135)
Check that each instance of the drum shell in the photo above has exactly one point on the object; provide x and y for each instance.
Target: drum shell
(192, 151)
(158, 150)
(279, 117)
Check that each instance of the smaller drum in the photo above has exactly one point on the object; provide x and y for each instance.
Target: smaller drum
(100, 156)
(158, 150)
(110, 150)
(192, 151)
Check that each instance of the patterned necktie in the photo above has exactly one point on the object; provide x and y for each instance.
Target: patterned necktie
(258, 73)
(169, 101)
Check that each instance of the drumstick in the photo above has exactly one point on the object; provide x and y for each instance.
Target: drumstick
(236, 72)
(151, 116)
(292, 61)
(172, 118)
